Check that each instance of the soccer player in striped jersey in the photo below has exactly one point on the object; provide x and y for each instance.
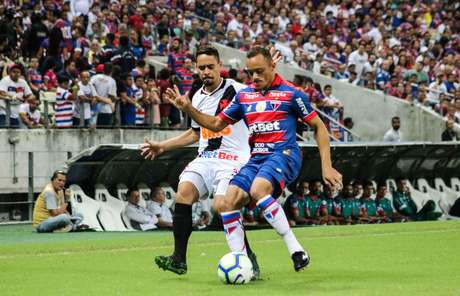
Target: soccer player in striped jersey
(270, 107)
(220, 156)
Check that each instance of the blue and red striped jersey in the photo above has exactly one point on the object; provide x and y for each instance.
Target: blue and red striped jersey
(270, 115)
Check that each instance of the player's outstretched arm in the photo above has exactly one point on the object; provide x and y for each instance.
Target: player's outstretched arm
(150, 149)
(213, 123)
(330, 176)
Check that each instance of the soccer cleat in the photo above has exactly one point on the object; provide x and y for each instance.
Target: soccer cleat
(255, 266)
(171, 264)
(300, 260)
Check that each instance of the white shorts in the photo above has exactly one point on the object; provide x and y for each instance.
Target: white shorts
(210, 176)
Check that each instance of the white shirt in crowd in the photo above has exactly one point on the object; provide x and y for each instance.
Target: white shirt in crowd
(161, 211)
(392, 136)
(80, 7)
(88, 91)
(18, 90)
(146, 219)
(358, 60)
(32, 116)
(235, 25)
(105, 86)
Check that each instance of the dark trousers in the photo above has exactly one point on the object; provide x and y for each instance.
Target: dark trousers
(14, 122)
(104, 120)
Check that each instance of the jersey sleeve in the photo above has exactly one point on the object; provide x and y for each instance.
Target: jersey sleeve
(233, 112)
(302, 106)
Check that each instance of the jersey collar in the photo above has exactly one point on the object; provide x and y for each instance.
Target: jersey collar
(221, 85)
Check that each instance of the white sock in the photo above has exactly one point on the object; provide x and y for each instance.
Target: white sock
(234, 231)
(274, 214)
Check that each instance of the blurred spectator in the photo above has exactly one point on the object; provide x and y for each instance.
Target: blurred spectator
(313, 203)
(334, 108)
(124, 56)
(358, 189)
(384, 208)
(349, 211)
(139, 217)
(129, 104)
(328, 206)
(449, 134)
(65, 97)
(50, 210)
(405, 205)
(176, 55)
(295, 205)
(200, 214)
(29, 115)
(106, 89)
(15, 90)
(368, 205)
(152, 112)
(393, 134)
(34, 77)
(86, 96)
(347, 136)
(159, 208)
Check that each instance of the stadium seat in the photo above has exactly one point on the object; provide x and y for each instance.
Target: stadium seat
(391, 186)
(419, 197)
(170, 196)
(111, 209)
(450, 195)
(455, 184)
(433, 194)
(88, 207)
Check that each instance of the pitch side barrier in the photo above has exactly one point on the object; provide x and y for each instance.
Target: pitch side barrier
(115, 164)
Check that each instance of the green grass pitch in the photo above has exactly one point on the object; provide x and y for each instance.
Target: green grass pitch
(393, 259)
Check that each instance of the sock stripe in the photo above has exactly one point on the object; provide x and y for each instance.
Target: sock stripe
(231, 217)
(266, 203)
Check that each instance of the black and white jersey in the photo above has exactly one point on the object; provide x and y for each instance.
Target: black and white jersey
(231, 142)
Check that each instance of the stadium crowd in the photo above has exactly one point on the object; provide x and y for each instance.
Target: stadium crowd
(91, 54)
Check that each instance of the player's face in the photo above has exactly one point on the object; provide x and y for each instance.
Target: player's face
(208, 68)
(261, 70)
(368, 191)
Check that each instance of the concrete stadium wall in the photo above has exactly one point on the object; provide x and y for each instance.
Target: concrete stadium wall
(371, 111)
(51, 148)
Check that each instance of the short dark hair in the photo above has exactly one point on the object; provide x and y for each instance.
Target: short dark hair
(108, 68)
(327, 86)
(347, 120)
(395, 118)
(62, 78)
(259, 50)
(56, 173)
(130, 190)
(400, 178)
(207, 50)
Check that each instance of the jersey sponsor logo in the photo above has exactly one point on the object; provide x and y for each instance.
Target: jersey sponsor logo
(275, 105)
(249, 96)
(208, 134)
(219, 155)
(302, 106)
(277, 94)
(264, 127)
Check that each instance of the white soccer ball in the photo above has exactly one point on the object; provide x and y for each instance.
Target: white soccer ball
(235, 268)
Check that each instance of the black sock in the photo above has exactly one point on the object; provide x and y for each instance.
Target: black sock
(182, 229)
(246, 243)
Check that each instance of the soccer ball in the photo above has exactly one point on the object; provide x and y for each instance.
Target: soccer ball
(235, 268)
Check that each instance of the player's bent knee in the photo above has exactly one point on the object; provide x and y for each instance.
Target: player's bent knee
(185, 198)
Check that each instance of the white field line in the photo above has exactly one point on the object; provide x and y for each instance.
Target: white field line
(207, 244)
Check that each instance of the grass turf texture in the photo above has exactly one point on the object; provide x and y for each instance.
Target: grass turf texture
(392, 259)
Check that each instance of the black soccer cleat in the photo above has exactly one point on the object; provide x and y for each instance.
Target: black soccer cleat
(171, 264)
(300, 260)
(255, 266)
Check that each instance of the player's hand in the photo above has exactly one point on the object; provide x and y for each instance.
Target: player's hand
(332, 178)
(175, 98)
(150, 149)
(276, 55)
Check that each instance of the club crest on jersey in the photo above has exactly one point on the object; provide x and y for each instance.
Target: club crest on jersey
(261, 106)
(275, 105)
